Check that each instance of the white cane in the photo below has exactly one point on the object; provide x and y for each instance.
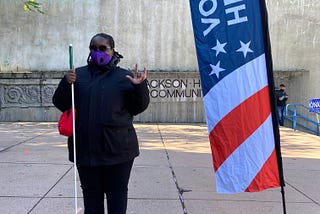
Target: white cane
(74, 135)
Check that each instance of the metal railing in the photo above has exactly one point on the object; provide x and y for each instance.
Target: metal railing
(300, 116)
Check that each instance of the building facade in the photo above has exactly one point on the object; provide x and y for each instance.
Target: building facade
(156, 34)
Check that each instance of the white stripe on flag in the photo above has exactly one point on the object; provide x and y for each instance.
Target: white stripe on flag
(241, 83)
(241, 167)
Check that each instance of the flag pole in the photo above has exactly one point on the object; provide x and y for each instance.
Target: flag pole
(269, 64)
(74, 134)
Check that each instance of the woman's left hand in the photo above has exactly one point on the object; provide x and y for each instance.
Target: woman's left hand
(138, 77)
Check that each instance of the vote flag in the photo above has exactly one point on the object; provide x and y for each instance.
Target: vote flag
(235, 65)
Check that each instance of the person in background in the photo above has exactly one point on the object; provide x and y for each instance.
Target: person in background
(106, 99)
(282, 98)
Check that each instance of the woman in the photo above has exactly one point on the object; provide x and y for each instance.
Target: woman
(106, 99)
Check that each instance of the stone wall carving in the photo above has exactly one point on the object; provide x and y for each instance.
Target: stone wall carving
(26, 95)
(47, 92)
(22, 95)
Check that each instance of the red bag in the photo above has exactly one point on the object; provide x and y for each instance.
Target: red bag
(65, 123)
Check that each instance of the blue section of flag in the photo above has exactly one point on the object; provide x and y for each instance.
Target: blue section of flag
(234, 39)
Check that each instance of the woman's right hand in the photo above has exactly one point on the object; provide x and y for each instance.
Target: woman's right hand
(71, 75)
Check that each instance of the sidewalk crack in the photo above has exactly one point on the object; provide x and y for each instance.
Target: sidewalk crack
(304, 194)
(38, 202)
(17, 144)
(180, 190)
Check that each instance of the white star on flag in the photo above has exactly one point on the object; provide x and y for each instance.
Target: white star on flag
(219, 48)
(216, 69)
(245, 48)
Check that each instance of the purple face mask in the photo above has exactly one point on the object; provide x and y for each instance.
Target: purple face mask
(100, 58)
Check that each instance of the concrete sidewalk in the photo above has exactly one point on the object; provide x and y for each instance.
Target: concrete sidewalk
(174, 171)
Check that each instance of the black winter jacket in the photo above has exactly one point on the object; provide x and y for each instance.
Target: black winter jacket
(106, 102)
(278, 94)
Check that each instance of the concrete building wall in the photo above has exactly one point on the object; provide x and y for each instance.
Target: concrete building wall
(295, 38)
(156, 34)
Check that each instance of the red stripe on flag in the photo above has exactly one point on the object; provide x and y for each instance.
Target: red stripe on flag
(268, 176)
(238, 125)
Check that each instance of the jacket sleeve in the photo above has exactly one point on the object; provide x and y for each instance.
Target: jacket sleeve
(62, 95)
(277, 94)
(138, 100)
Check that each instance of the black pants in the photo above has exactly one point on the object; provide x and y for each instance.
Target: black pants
(110, 180)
